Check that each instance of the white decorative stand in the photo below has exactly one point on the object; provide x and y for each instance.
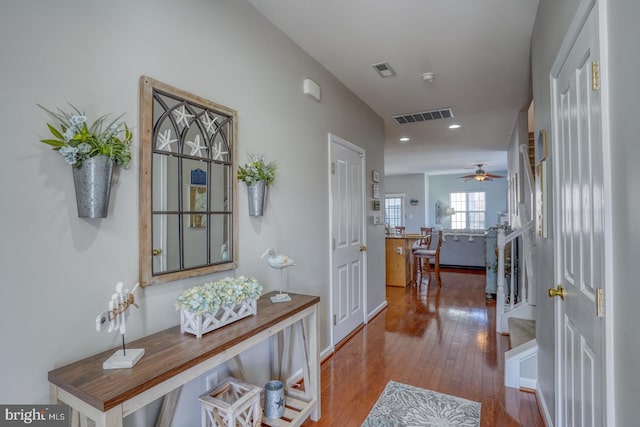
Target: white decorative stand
(280, 298)
(123, 359)
(116, 316)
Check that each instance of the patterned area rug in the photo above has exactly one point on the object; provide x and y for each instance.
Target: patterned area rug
(402, 405)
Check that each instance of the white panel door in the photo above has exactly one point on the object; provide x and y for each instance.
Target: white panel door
(347, 231)
(579, 224)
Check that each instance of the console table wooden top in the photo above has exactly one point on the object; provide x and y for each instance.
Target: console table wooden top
(167, 354)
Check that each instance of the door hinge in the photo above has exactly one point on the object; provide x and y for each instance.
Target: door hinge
(595, 76)
(335, 322)
(333, 168)
(599, 303)
(333, 243)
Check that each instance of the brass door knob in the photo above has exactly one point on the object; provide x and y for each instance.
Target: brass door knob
(558, 292)
(363, 248)
(156, 252)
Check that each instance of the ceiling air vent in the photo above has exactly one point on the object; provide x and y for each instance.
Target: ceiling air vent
(445, 113)
(384, 69)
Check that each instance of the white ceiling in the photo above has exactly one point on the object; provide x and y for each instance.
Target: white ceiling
(479, 51)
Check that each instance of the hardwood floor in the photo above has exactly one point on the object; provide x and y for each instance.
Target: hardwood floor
(441, 338)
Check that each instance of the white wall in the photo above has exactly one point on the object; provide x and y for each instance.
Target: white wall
(413, 187)
(525, 184)
(624, 61)
(549, 29)
(440, 186)
(57, 269)
(431, 188)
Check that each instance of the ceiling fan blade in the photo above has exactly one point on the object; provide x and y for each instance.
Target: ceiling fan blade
(490, 175)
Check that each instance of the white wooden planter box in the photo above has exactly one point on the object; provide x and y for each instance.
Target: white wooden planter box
(200, 324)
(233, 403)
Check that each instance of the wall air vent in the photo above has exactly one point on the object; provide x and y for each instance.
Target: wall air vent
(384, 69)
(445, 113)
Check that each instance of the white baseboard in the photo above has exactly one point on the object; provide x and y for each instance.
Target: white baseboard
(513, 360)
(324, 354)
(548, 420)
(377, 310)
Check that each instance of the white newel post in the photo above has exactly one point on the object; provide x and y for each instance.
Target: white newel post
(500, 303)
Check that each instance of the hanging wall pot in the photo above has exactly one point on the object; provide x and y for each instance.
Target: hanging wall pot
(258, 175)
(92, 182)
(257, 194)
(92, 150)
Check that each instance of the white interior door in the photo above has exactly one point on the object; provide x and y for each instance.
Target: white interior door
(580, 226)
(347, 237)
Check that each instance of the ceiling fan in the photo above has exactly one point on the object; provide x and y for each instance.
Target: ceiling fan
(481, 175)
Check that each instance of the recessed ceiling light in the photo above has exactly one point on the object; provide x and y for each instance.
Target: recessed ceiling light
(454, 126)
(405, 139)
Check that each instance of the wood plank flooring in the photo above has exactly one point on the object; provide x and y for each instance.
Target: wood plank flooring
(441, 338)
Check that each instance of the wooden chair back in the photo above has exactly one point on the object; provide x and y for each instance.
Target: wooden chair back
(426, 254)
(427, 232)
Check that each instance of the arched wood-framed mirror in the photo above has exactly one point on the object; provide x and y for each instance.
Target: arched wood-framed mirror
(188, 190)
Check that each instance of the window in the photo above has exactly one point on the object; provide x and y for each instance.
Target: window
(469, 210)
(393, 209)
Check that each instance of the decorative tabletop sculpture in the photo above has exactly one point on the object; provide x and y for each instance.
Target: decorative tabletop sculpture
(115, 318)
(279, 262)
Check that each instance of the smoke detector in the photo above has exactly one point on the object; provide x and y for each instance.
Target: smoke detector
(428, 77)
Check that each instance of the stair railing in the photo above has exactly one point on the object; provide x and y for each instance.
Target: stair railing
(520, 268)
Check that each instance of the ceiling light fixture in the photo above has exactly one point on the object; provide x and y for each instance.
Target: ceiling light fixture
(405, 139)
(454, 126)
(480, 175)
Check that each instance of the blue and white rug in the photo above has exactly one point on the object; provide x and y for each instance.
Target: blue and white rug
(402, 405)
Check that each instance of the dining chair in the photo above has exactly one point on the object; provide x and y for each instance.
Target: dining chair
(424, 256)
(422, 243)
(399, 229)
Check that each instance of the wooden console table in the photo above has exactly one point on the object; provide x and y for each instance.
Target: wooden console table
(172, 359)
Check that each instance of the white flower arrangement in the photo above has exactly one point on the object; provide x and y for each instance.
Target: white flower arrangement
(208, 298)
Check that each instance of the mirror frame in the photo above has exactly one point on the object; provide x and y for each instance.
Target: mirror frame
(147, 277)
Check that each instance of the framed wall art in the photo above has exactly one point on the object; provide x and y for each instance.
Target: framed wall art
(375, 191)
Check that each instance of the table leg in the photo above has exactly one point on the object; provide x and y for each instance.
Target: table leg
(111, 418)
(314, 364)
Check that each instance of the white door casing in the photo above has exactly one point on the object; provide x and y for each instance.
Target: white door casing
(347, 216)
(580, 164)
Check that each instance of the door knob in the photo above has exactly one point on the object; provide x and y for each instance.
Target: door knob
(363, 248)
(558, 292)
(156, 252)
